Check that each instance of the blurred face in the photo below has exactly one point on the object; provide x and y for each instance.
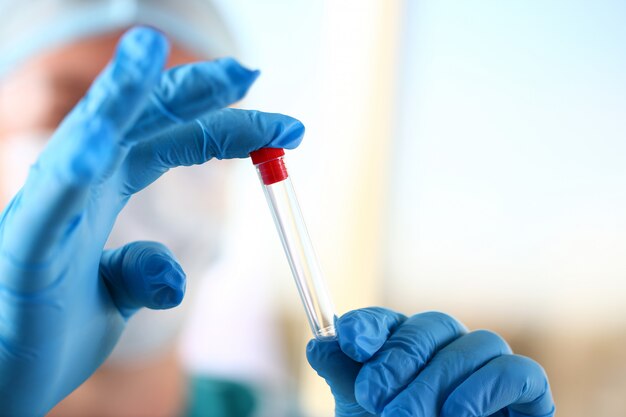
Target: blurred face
(36, 96)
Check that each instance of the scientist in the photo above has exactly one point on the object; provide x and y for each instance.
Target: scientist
(64, 301)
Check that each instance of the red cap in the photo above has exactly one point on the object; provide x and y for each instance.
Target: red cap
(270, 164)
(266, 154)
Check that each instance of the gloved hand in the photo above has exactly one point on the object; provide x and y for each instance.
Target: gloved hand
(63, 301)
(385, 364)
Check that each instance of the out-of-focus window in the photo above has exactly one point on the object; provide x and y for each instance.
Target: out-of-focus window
(508, 193)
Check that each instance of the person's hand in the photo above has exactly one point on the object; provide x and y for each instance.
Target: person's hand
(385, 364)
(63, 300)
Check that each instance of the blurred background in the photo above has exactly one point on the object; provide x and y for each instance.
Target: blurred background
(466, 157)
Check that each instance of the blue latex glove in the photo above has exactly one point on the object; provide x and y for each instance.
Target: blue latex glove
(63, 301)
(427, 365)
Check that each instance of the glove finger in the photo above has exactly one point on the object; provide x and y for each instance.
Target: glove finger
(403, 356)
(452, 365)
(81, 150)
(122, 91)
(142, 274)
(227, 133)
(510, 381)
(113, 103)
(189, 91)
(362, 332)
(339, 371)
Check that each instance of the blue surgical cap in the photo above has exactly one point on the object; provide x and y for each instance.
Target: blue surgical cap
(31, 26)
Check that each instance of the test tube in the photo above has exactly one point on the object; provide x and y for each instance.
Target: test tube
(294, 236)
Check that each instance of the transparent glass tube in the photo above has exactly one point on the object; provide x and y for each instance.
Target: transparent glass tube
(296, 242)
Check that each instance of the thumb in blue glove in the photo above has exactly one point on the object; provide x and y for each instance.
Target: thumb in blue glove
(385, 364)
(142, 274)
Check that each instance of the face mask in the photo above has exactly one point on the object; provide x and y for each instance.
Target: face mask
(184, 210)
(17, 154)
